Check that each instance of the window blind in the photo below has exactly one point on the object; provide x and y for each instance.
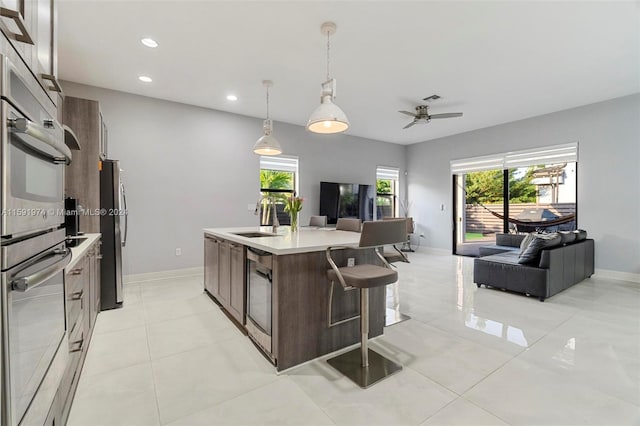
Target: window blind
(285, 164)
(387, 173)
(566, 153)
(476, 164)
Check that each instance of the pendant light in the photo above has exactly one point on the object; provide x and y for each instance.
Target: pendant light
(328, 117)
(267, 144)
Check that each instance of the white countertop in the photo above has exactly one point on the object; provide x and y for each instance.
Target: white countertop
(306, 239)
(78, 251)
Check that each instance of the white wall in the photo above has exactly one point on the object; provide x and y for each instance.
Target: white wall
(608, 134)
(188, 168)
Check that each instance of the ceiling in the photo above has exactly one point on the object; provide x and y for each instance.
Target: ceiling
(495, 61)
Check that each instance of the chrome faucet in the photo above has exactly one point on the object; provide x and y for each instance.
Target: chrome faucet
(272, 201)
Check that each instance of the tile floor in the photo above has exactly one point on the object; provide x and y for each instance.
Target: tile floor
(471, 357)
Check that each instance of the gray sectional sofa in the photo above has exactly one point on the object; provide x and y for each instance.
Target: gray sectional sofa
(553, 270)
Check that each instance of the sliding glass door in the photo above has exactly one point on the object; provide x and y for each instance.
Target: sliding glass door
(479, 210)
(516, 192)
(543, 198)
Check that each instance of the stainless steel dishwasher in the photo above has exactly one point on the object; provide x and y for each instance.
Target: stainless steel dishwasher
(259, 297)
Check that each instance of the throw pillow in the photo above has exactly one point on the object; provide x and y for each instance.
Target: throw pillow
(580, 234)
(525, 242)
(539, 242)
(568, 237)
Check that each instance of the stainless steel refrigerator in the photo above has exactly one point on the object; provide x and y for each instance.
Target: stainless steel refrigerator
(113, 226)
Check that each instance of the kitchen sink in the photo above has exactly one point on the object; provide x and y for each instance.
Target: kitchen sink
(254, 234)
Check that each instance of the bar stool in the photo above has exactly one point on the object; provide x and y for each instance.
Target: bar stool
(394, 255)
(348, 224)
(320, 221)
(362, 365)
(397, 255)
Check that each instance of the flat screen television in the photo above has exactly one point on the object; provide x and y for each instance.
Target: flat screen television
(351, 200)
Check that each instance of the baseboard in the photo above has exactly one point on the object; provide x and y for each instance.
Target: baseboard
(432, 250)
(150, 276)
(617, 275)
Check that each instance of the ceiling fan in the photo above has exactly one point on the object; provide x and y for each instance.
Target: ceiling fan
(422, 113)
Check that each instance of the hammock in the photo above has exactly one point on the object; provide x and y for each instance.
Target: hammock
(558, 221)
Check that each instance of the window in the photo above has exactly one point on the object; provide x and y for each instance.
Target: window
(278, 181)
(522, 191)
(387, 184)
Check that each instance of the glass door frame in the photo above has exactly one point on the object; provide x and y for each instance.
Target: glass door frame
(457, 205)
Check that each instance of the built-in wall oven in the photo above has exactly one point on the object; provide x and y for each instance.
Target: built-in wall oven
(33, 157)
(32, 250)
(33, 318)
(259, 296)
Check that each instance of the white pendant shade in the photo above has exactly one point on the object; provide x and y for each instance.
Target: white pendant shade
(328, 118)
(267, 144)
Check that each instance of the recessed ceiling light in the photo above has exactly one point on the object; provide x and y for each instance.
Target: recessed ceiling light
(232, 98)
(149, 42)
(145, 79)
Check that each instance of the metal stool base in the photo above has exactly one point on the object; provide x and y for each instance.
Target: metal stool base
(350, 365)
(393, 316)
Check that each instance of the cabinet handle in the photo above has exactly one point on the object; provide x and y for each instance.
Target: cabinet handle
(55, 86)
(79, 343)
(78, 296)
(99, 257)
(76, 271)
(23, 36)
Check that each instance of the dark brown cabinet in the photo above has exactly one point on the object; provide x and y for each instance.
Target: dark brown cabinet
(237, 281)
(224, 275)
(211, 246)
(82, 182)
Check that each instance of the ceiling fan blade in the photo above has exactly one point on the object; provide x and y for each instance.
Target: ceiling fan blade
(446, 115)
(409, 125)
(408, 113)
(431, 98)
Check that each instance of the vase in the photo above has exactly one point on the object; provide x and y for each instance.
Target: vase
(294, 221)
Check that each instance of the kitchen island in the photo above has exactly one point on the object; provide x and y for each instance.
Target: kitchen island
(292, 293)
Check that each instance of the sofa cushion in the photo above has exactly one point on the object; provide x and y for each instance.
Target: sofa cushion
(525, 242)
(494, 249)
(568, 237)
(539, 242)
(512, 240)
(507, 257)
(581, 234)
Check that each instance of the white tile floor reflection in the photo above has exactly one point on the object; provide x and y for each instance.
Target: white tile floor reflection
(471, 357)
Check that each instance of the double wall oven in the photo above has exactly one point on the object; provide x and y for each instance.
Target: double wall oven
(33, 254)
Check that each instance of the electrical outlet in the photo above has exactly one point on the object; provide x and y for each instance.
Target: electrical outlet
(351, 261)
(178, 251)
(251, 207)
